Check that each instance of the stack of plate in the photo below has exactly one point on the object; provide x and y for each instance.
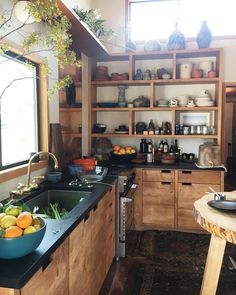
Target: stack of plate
(204, 101)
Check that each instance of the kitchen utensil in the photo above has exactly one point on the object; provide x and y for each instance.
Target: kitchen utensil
(74, 170)
(11, 248)
(95, 175)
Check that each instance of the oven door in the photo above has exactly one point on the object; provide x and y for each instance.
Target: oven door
(126, 217)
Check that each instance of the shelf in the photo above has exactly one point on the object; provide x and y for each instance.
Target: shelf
(70, 110)
(154, 136)
(117, 109)
(156, 82)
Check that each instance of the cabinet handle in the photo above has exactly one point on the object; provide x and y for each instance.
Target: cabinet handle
(186, 172)
(166, 182)
(47, 263)
(165, 171)
(186, 183)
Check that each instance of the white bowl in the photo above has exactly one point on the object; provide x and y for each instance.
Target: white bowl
(203, 99)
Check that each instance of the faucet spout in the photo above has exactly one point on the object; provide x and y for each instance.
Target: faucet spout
(33, 157)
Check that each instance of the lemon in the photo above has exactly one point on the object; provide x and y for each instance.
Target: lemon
(2, 215)
(7, 221)
(29, 230)
(12, 210)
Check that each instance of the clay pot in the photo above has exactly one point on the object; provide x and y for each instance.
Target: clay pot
(196, 73)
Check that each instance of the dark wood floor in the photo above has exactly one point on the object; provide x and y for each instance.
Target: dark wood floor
(165, 263)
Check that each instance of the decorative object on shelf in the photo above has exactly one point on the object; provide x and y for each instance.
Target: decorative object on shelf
(204, 36)
(130, 46)
(166, 76)
(211, 74)
(176, 40)
(116, 76)
(140, 127)
(161, 72)
(182, 99)
(185, 70)
(121, 96)
(173, 102)
(196, 73)
(107, 104)
(138, 75)
(206, 66)
(71, 94)
(141, 101)
(147, 75)
(204, 99)
(122, 129)
(191, 103)
(101, 73)
(151, 127)
(99, 128)
(152, 45)
(162, 103)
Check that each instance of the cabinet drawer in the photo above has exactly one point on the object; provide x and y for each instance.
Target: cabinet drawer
(158, 175)
(206, 176)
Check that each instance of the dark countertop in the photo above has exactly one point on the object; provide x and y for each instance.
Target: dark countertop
(14, 273)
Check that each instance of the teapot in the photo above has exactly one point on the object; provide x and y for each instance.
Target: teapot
(204, 93)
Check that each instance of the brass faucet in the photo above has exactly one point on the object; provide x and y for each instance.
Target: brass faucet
(24, 189)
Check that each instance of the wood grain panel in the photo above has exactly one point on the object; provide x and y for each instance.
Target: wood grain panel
(158, 203)
(158, 175)
(212, 177)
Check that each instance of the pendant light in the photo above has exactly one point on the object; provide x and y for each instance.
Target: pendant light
(21, 12)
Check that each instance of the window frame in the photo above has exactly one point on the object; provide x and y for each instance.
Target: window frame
(188, 39)
(43, 117)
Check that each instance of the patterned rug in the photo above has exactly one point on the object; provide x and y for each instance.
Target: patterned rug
(165, 263)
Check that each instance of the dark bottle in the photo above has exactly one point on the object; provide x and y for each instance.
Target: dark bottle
(151, 127)
(143, 146)
(165, 147)
(161, 146)
(150, 146)
(70, 94)
(172, 150)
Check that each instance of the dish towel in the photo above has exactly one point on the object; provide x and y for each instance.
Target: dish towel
(211, 167)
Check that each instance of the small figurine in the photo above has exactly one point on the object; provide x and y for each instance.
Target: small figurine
(147, 75)
(138, 75)
(173, 102)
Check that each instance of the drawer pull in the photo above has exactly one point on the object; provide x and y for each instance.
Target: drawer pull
(165, 171)
(186, 183)
(187, 172)
(165, 182)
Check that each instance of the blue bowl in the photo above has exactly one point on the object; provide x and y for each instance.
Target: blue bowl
(11, 248)
(54, 176)
(75, 170)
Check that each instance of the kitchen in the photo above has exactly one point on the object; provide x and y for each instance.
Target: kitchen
(172, 176)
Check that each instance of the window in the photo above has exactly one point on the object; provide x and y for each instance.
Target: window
(156, 19)
(19, 123)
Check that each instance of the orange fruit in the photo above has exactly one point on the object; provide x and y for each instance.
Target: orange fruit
(13, 232)
(24, 219)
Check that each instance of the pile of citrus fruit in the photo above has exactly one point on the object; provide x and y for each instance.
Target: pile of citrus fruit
(127, 150)
(15, 223)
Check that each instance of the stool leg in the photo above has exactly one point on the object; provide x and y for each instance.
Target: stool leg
(213, 266)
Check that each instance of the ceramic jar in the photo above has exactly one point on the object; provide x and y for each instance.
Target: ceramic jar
(204, 36)
(185, 70)
(206, 66)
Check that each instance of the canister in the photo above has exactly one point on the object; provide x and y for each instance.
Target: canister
(185, 70)
(206, 66)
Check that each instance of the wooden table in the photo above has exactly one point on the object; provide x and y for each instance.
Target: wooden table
(222, 227)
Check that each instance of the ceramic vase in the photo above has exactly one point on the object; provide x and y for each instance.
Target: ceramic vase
(204, 36)
(121, 97)
(176, 40)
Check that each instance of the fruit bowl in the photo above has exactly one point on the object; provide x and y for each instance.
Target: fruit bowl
(122, 159)
(11, 248)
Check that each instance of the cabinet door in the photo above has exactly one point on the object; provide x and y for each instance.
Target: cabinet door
(52, 279)
(79, 258)
(188, 193)
(158, 203)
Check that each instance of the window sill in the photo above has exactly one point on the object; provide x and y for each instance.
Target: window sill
(12, 173)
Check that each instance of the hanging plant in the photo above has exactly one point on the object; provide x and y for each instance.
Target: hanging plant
(56, 38)
(93, 20)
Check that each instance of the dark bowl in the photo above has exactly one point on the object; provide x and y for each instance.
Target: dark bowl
(11, 248)
(99, 128)
(122, 159)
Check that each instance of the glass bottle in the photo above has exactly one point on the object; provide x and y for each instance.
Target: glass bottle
(165, 147)
(143, 146)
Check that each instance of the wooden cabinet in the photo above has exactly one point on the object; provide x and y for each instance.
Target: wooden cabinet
(166, 197)
(192, 185)
(105, 93)
(52, 278)
(80, 256)
(159, 197)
